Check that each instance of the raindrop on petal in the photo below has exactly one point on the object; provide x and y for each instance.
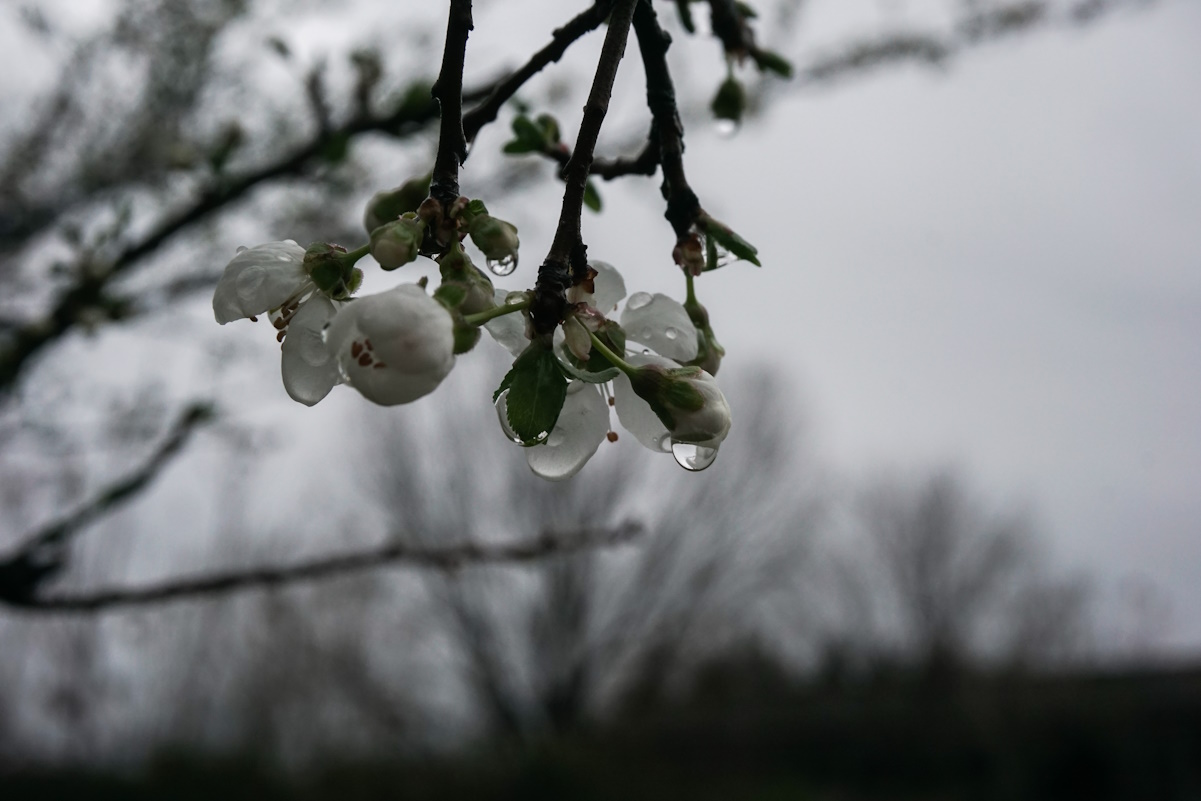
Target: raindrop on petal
(693, 457)
(638, 300)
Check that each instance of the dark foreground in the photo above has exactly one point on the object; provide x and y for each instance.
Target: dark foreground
(900, 736)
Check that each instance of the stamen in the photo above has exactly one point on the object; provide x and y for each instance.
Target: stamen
(280, 336)
(365, 359)
(367, 342)
(355, 349)
(253, 319)
(279, 322)
(611, 436)
(378, 365)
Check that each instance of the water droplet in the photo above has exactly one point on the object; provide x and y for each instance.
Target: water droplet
(555, 439)
(502, 266)
(241, 249)
(638, 300)
(726, 128)
(663, 442)
(693, 457)
(502, 416)
(671, 333)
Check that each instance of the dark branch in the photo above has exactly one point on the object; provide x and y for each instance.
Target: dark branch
(644, 163)
(44, 553)
(447, 558)
(584, 22)
(653, 42)
(567, 252)
(448, 91)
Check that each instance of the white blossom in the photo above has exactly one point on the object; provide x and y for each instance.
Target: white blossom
(393, 347)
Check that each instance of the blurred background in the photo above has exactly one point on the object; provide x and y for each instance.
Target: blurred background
(950, 548)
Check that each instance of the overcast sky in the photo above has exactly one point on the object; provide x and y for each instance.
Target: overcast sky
(995, 266)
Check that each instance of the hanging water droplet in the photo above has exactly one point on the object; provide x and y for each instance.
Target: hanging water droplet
(502, 267)
(241, 249)
(671, 333)
(502, 415)
(638, 300)
(555, 439)
(693, 457)
(726, 128)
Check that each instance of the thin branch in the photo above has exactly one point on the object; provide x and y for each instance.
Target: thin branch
(653, 42)
(562, 38)
(44, 553)
(567, 252)
(448, 91)
(644, 163)
(446, 558)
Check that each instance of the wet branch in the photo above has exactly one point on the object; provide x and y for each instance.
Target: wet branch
(446, 558)
(448, 91)
(567, 251)
(653, 42)
(584, 22)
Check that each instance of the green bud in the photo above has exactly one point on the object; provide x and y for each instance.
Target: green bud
(496, 238)
(384, 207)
(456, 268)
(323, 262)
(395, 244)
(466, 337)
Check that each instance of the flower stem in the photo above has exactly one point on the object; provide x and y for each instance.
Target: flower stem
(614, 359)
(353, 256)
(690, 295)
(498, 311)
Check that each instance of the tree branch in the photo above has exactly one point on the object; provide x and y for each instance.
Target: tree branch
(44, 553)
(448, 91)
(567, 252)
(584, 22)
(653, 42)
(447, 558)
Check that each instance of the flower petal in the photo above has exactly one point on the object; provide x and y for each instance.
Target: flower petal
(310, 371)
(259, 279)
(394, 347)
(660, 323)
(579, 431)
(635, 414)
(610, 286)
(509, 329)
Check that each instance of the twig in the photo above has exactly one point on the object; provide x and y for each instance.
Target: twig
(567, 252)
(44, 553)
(644, 163)
(584, 22)
(448, 91)
(653, 42)
(447, 558)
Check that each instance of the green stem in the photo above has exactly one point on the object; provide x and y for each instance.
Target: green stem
(614, 359)
(353, 256)
(497, 311)
(690, 296)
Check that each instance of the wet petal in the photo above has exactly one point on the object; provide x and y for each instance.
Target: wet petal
(309, 369)
(610, 286)
(508, 329)
(579, 431)
(660, 323)
(635, 414)
(259, 279)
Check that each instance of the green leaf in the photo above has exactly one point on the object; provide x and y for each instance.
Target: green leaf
(527, 131)
(537, 389)
(768, 61)
(592, 198)
(746, 10)
(733, 243)
(516, 147)
(685, 15)
(615, 339)
(711, 262)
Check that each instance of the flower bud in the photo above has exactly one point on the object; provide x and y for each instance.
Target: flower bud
(395, 244)
(323, 262)
(497, 239)
(384, 207)
(687, 400)
(455, 267)
(689, 254)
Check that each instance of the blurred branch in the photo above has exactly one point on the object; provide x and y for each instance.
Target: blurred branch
(43, 554)
(446, 558)
(584, 22)
(90, 291)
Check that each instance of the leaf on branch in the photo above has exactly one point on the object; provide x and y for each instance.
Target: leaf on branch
(528, 137)
(592, 198)
(731, 242)
(768, 61)
(685, 15)
(537, 389)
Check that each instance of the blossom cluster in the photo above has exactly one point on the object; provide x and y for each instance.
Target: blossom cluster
(652, 358)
